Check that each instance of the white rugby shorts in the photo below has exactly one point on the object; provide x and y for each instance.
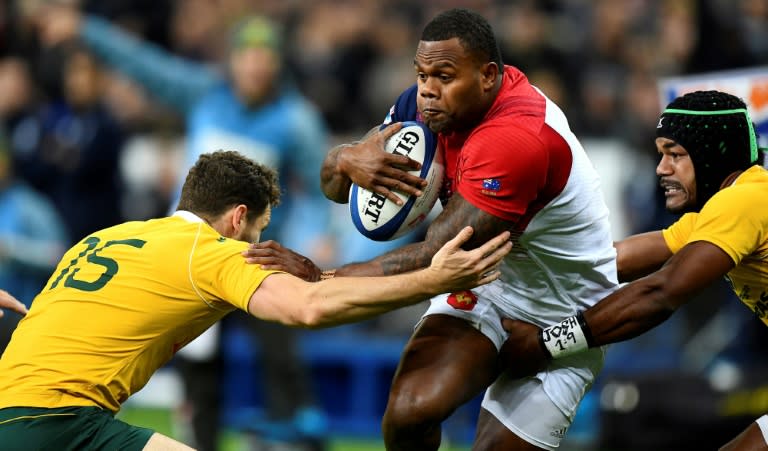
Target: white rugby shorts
(553, 394)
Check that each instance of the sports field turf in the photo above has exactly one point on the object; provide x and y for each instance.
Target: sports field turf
(161, 420)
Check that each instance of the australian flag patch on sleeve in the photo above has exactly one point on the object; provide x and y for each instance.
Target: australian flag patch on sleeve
(491, 187)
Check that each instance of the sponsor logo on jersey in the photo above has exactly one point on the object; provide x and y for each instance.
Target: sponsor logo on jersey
(462, 300)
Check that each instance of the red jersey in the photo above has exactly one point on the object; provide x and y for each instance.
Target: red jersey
(512, 163)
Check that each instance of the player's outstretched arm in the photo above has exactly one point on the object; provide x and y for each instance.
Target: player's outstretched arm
(641, 254)
(9, 302)
(292, 301)
(628, 312)
(366, 164)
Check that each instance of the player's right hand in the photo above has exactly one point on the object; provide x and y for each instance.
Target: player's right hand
(367, 164)
(9, 302)
(455, 269)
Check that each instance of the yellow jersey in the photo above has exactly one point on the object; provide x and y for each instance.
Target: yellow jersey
(735, 219)
(118, 306)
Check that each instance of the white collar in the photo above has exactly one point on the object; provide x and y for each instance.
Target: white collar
(188, 215)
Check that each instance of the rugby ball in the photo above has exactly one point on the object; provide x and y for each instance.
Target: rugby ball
(380, 219)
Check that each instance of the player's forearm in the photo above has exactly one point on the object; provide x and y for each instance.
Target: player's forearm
(345, 299)
(342, 300)
(404, 259)
(625, 314)
(457, 214)
(628, 312)
(334, 182)
(647, 302)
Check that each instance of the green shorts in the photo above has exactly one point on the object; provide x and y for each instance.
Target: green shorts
(68, 428)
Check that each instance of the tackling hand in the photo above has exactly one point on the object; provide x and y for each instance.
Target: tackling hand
(521, 354)
(273, 256)
(455, 269)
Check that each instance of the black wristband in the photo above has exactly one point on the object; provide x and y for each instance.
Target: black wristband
(585, 329)
(543, 346)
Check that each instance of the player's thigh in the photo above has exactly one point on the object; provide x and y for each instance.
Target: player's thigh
(491, 435)
(159, 442)
(507, 423)
(447, 357)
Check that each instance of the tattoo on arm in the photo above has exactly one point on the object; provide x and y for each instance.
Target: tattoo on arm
(457, 214)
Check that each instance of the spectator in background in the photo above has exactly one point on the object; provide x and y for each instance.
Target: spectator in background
(69, 148)
(18, 99)
(251, 107)
(332, 51)
(32, 239)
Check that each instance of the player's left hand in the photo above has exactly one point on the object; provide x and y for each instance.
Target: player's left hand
(522, 355)
(11, 303)
(273, 256)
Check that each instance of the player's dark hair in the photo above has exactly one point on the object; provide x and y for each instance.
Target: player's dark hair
(718, 134)
(222, 179)
(473, 31)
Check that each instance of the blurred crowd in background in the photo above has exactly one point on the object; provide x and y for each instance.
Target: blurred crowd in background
(84, 144)
(600, 60)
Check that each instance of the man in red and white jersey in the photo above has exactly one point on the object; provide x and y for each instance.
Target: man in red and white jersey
(512, 163)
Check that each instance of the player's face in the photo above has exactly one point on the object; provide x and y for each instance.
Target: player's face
(452, 85)
(252, 230)
(676, 175)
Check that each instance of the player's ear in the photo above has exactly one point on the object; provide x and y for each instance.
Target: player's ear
(489, 73)
(239, 217)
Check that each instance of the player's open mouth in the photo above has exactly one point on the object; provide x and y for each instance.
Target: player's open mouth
(671, 188)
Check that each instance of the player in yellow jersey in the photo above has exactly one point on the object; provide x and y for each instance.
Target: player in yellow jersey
(711, 170)
(9, 302)
(123, 300)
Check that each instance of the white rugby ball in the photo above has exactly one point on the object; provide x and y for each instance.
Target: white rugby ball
(380, 219)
